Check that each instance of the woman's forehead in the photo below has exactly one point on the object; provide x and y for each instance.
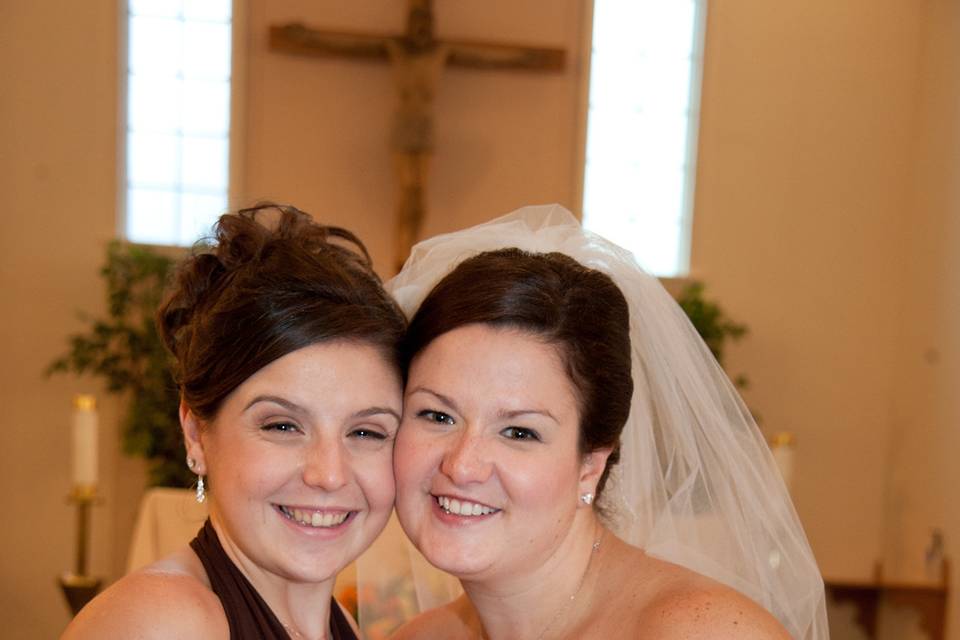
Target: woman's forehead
(507, 367)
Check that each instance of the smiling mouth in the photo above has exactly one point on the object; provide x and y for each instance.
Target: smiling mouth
(463, 507)
(316, 519)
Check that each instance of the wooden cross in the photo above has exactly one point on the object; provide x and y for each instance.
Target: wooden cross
(417, 59)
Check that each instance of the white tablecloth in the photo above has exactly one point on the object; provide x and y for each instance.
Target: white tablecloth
(168, 520)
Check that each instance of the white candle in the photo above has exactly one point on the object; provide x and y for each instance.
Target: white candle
(84, 440)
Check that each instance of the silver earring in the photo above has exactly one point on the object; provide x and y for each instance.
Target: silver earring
(191, 463)
(587, 498)
(201, 495)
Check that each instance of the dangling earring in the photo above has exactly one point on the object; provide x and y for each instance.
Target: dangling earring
(201, 493)
(587, 498)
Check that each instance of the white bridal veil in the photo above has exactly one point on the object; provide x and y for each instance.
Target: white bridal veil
(696, 484)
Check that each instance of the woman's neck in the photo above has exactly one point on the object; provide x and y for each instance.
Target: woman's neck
(302, 608)
(538, 604)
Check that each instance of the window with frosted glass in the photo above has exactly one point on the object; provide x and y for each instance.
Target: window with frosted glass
(178, 118)
(641, 127)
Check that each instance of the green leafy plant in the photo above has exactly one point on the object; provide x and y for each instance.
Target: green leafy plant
(125, 350)
(712, 323)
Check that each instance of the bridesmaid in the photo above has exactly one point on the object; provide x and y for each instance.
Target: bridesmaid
(286, 351)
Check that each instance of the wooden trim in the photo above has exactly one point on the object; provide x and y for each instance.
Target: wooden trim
(236, 178)
(584, 61)
(929, 600)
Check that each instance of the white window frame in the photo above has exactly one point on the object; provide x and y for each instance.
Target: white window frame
(693, 127)
(236, 139)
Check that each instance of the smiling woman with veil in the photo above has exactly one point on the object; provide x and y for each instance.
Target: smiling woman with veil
(524, 332)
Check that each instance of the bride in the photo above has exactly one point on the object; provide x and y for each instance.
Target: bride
(572, 454)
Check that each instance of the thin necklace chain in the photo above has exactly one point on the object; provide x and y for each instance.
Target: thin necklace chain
(294, 633)
(563, 607)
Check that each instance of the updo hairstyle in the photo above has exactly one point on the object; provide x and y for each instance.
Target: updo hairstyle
(273, 281)
(552, 296)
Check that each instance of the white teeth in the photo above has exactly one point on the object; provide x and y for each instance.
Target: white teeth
(315, 518)
(463, 508)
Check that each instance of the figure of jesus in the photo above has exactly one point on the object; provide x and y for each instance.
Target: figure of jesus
(417, 58)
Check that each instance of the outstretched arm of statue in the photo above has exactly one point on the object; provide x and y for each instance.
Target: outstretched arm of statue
(482, 55)
(300, 39)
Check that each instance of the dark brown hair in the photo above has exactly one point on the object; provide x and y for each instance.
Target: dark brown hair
(272, 282)
(554, 297)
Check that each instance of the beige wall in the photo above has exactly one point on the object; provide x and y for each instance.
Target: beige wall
(58, 119)
(825, 219)
(924, 475)
(804, 181)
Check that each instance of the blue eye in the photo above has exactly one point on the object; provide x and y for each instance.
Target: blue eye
(521, 433)
(367, 434)
(281, 427)
(438, 417)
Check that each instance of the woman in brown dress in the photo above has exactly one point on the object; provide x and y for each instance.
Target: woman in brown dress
(286, 351)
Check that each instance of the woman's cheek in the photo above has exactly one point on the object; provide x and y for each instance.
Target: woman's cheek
(384, 485)
(413, 457)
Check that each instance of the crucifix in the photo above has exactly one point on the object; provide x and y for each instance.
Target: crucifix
(417, 58)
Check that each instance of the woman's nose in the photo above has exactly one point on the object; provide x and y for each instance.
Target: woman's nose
(466, 460)
(327, 465)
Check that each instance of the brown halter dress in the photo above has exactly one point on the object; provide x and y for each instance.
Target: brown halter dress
(248, 615)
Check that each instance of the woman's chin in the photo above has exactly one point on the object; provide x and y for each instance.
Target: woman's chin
(302, 571)
(466, 548)
(460, 562)
(465, 571)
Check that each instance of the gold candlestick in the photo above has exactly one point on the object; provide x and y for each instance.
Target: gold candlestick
(78, 587)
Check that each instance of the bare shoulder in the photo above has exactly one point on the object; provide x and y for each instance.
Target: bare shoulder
(693, 607)
(454, 621)
(168, 599)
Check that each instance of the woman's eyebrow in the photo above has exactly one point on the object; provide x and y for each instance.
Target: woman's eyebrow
(376, 411)
(293, 406)
(283, 402)
(507, 415)
(439, 396)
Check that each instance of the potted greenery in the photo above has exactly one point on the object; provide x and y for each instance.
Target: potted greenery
(712, 323)
(125, 350)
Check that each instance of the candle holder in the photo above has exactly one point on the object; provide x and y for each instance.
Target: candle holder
(78, 587)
